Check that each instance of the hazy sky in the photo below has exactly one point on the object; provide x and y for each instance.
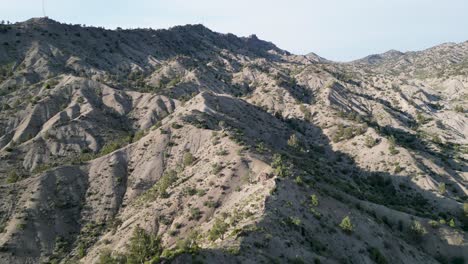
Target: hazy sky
(335, 29)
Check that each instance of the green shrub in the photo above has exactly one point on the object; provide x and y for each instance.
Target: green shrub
(392, 145)
(211, 204)
(376, 256)
(186, 245)
(195, 214)
(143, 247)
(293, 142)
(457, 260)
(452, 223)
(12, 177)
(261, 147)
(464, 215)
(222, 152)
(216, 168)
(81, 250)
(293, 221)
(175, 125)
(369, 141)
(298, 180)
(306, 112)
(138, 135)
(442, 189)
(218, 230)
(188, 159)
(106, 257)
(168, 178)
(433, 223)
(173, 82)
(397, 169)
(314, 200)
(42, 167)
(459, 109)
(190, 191)
(112, 146)
(346, 225)
(417, 231)
(421, 119)
(200, 192)
(279, 166)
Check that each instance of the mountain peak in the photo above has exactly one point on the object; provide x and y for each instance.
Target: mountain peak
(393, 53)
(41, 20)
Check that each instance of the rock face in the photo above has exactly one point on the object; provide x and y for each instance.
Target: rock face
(227, 149)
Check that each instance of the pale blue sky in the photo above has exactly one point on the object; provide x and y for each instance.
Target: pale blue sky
(335, 29)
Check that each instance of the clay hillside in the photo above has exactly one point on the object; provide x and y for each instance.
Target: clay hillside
(190, 146)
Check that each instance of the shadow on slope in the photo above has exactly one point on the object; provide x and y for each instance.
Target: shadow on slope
(381, 206)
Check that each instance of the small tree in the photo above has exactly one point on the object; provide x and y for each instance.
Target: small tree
(464, 216)
(459, 109)
(106, 257)
(442, 188)
(370, 141)
(138, 135)
(376, 256)
(314, 200)
(12, 177)
(293, 141)
(168, 178)
(279, 166)
(346, 225)
(392, 144)
(218, 230)
(348, 133)
(143, 247)
(421, 119)
(417, 231)
(452, 223)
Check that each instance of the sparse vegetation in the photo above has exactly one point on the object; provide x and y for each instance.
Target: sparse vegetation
(218, 229)
(143, 248)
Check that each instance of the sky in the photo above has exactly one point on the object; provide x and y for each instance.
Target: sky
(340, 30)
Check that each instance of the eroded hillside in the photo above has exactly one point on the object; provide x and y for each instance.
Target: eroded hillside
(190, 146)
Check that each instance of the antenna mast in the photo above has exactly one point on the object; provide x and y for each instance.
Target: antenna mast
(43, 8)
